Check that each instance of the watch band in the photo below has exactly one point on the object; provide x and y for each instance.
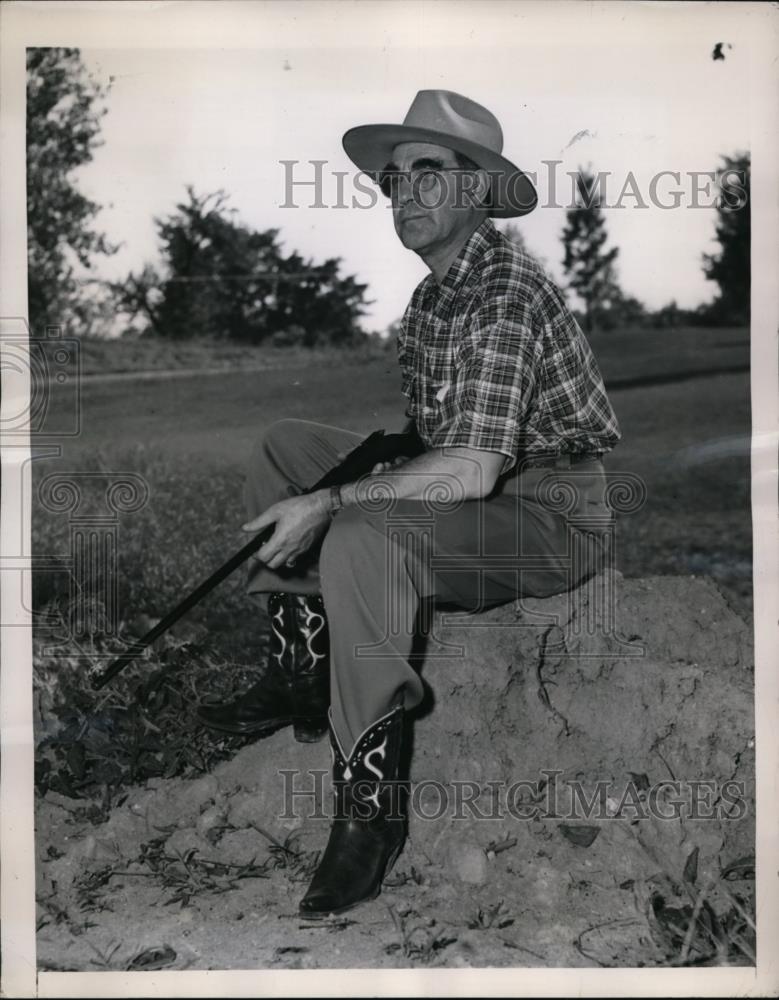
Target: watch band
(336, 503)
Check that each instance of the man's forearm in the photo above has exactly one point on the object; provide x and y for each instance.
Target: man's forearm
(463, 475)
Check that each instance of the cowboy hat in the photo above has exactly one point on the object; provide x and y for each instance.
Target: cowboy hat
(458, 123)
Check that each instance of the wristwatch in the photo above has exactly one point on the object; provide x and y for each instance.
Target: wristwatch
(336, 503)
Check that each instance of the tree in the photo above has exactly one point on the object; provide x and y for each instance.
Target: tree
(63, 128)
(624, 312)
(222, 279)
(589, 267)
(730, 267)
(669, 315)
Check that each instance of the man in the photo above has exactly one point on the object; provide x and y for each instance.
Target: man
(509, 405)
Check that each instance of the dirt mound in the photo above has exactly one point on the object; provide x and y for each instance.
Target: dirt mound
(581, 792)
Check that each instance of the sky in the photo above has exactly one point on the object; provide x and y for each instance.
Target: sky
(622, 87)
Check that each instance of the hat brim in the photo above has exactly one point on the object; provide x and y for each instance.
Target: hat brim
(370, 148)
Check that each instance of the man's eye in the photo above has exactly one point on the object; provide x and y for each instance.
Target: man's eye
(427, 178)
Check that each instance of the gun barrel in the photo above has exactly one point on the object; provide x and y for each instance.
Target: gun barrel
(181, 609)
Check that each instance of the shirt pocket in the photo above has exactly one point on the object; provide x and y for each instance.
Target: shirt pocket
(433, 388)
(438, 373)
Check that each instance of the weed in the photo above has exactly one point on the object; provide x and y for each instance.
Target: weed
(421, 941)
(398, 878)
(498, 846)
(144, 726)
(90, 886)
(697, 934)
(487, 917)
(105, 959)
(299, 865)
(185, 875)
(682, 923)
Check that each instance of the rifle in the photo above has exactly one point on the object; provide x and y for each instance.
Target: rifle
(377, 447)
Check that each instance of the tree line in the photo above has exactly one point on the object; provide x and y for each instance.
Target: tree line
(219, 278)
(590, 265)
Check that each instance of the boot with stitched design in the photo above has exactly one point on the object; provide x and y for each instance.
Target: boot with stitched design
(294, 688)
(369, 825)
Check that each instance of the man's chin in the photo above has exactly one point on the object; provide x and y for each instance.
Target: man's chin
(414, 234)
(413, 243)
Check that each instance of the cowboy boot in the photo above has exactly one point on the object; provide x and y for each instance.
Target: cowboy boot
(310, 668)
(294, 687)
(369, 825)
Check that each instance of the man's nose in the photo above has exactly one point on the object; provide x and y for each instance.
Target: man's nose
(404, 188)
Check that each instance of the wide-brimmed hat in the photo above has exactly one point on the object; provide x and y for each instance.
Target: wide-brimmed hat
(456, 122)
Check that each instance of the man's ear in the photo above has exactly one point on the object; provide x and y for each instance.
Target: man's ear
(482, 188)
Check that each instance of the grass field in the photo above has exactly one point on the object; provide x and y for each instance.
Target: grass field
(98, 355)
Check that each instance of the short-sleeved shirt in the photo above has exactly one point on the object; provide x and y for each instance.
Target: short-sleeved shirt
(492, 359)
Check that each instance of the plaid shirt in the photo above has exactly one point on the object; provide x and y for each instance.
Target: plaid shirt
(493, 360)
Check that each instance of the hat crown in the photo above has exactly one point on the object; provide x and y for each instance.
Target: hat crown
(451, 113)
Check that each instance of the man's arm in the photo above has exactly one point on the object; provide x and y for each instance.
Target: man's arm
(468, 473)
(464, 473)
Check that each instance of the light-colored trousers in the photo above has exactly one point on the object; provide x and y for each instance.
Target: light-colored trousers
(380, 563)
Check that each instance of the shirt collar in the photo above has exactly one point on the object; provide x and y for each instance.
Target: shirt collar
(477, 243)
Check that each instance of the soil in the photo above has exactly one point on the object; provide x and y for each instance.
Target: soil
(626, 683)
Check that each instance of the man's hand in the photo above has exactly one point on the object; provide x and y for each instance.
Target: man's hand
(379, 466)
(300, 522)
(388, 466)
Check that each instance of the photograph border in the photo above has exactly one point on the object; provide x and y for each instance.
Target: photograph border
(205, 24)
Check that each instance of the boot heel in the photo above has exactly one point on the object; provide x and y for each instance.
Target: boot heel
(309, 730)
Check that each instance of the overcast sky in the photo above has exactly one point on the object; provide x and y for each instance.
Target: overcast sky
(636, 83)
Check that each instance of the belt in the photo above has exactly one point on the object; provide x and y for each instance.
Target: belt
(541, 461)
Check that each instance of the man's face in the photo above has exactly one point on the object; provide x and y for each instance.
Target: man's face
(429, 209)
